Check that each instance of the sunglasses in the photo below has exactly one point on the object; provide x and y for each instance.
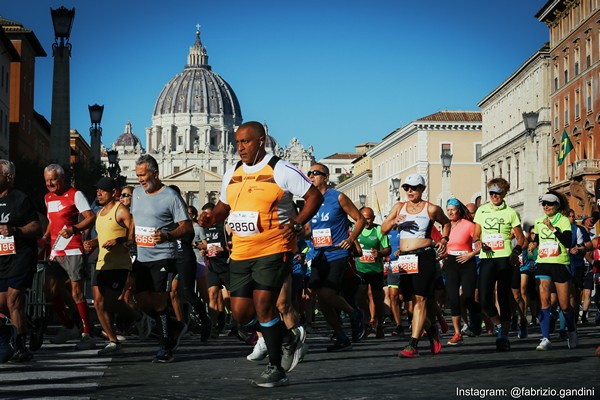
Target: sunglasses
(494, 193)
(316, 173)
(548, 203)
(125, 195)
(407, 188)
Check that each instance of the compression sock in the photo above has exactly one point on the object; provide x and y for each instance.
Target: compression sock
(85, 316)
(545, 320)
(272, 333)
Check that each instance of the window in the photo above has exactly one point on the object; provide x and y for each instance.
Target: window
(576, 61)
(577, 106)
(517, 170)
(179, 140)
(338, 170)
(175, 170)
(556, 113)
(213, 169)
(588, 96)
(566, 105)
(477, 152)
(588, 52)
(555, 77)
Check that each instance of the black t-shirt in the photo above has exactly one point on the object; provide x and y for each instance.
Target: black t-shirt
(17, 210)
(216, 235)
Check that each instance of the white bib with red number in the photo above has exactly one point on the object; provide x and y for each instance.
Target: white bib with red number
(395, 267)
(369, 256)
(7, 245)
(408, 264)
(322, 237)
(143, 236)
(494, 240)
(548, 249)
(244, 223)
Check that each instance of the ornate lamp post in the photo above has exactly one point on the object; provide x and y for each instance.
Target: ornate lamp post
(530, 183)
(362, 199)
(530, 119)
(446, 158)
(95, 131)
(396, 188)
(60, 149)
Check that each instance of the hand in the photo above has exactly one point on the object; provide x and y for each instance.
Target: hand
(206, 219)
(487, 250)
(463, 258)
(109, 244)
(288, 231)
(548, 223)
(344, 244)
(441, 248)
(574, 250)
(400, 219)
(159, 237)
(5, 230)
(513, 259)
(88, 246)
(67, 232)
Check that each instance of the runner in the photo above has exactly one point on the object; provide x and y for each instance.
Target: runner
(414, 219)
(493, 224)
(553, 230)
(64, 205)
(19, 229)
(460, 267)
(330, 256)
(160, 218)
(114, 226)
(257, 198)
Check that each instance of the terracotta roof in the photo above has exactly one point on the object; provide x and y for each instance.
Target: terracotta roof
(16, 30)
(453, 116)
(342, 156)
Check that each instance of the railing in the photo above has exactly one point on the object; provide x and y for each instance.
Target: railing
(583, 167)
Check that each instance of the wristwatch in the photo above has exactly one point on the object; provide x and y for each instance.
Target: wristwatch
(297, 227)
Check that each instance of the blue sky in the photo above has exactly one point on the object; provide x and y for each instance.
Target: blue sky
(331, 73)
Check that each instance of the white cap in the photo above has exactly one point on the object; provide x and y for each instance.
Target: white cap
(551, 198)
(414, 180)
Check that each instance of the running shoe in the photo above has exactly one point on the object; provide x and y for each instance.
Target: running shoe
(259, 352)
(502, 344)
(457, 340)
(340, 345)
(358, 327)
(87, 342)
(205, 331)
(214, 332)
(271, 377)
(369, 330)
(7, 333)
(144, 327)
(380, 333)
(562, 335)
(409, 352)
(178, 329)
(544, 345)
(443, 325)
(292, 352)
(66, 334)
(36, 336)
(522, 331)
(163, 356)
(120, 338)
(435, 345)
(21, 356)
(110, 348)
(398, 331)
(572, 339)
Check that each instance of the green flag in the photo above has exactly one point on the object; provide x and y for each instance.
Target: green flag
(565, 147)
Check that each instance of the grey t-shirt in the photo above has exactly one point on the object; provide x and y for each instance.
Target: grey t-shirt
(162, 211)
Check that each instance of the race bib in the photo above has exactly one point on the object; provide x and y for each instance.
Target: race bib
(494, 240)
(457, 252)
(143, 236)
(244, 223)
(408, 264)
(548, 249)
(7, 245)
(369, 256)
(322, 237)
(395, 267)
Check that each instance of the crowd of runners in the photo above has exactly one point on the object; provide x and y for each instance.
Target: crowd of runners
(262, 264)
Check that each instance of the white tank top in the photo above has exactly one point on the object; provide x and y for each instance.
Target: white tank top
(416, 226)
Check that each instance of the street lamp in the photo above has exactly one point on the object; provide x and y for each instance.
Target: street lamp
(446, 157)
(362, 199)
(95, 131)
(113, 164)
(60, 124)
(396, 187)
(530, 119)
(446, 162)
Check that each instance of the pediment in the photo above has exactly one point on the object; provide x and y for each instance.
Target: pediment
(192, 173)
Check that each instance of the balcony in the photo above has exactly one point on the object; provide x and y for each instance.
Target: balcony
(583, 167)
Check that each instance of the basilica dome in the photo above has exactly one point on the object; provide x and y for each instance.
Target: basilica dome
(198, 90)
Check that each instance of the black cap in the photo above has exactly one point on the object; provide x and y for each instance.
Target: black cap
(107, 184)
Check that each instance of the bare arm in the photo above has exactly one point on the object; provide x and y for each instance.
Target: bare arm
(218, 214)
(350, 209)
(390, 221)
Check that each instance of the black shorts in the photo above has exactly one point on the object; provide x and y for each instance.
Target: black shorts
(261, 273)
(374, 279)
(559, 273)
(154, 276)
(423, 282)
(22, 282)
(328, 274)
(515, 284)
(113, 279)
(218, 272)
(588, 280)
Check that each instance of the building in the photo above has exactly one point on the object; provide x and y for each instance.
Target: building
(8, 55)
(358, 186)
(80, 150)
(509, 150)
(29, 131)
(574, 97)
(416, 148)
(192, 135)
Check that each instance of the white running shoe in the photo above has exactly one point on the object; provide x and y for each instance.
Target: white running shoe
(110, 348)
(259, 352)
(544, 345)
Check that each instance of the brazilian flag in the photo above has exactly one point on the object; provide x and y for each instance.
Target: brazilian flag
(565, 147)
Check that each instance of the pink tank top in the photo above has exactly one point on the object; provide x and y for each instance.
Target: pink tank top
(461, 238)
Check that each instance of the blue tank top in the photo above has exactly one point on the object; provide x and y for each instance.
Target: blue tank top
(331, 216)
(394, 240)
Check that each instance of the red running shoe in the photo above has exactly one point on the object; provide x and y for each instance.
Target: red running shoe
(408, 352)
(444, 325)
(434, 343)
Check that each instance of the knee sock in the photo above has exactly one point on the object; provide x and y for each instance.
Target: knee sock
(61, 311)
(162, 321)
(273, 339)
(545, 320)
(563, 321)
(570, 320)
(84, 314)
